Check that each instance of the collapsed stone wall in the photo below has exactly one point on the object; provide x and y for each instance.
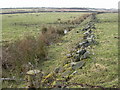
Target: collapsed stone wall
(78, 58)
(81, 52)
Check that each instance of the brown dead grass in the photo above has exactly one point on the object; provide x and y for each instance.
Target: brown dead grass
(98, 67)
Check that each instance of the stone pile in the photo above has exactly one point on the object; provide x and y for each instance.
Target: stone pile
(81, 51)
(78, 55)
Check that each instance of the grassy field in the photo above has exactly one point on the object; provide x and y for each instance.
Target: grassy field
(100, 69)
(17, 25)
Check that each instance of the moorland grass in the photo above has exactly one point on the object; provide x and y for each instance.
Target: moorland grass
(102, 68)
(29, 49)
(14, 26)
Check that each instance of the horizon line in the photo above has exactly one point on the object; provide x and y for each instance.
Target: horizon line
(56, 7)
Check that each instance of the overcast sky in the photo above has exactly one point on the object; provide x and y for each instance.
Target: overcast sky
(59, 3)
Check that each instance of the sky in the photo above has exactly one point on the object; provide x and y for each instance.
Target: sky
(59, 3)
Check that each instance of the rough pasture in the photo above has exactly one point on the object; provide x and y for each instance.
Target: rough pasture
(15, 26)
(99, 70)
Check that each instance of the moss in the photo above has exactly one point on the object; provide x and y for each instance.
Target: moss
(60, 79)
(54, 83)
(70, 68)
(70, 76)
(48, 78)
(66, 65)
(49, 75)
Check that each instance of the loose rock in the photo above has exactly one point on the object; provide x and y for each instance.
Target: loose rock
(79, 65)
(86, 55)
(73, 63)
(69, 55)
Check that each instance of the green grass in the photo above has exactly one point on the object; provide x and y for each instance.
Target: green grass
(58, 51)
(101, 69)
(106, 55)
(16, 25)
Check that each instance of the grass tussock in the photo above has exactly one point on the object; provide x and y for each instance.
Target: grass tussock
(52, 34)
(98, 67)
